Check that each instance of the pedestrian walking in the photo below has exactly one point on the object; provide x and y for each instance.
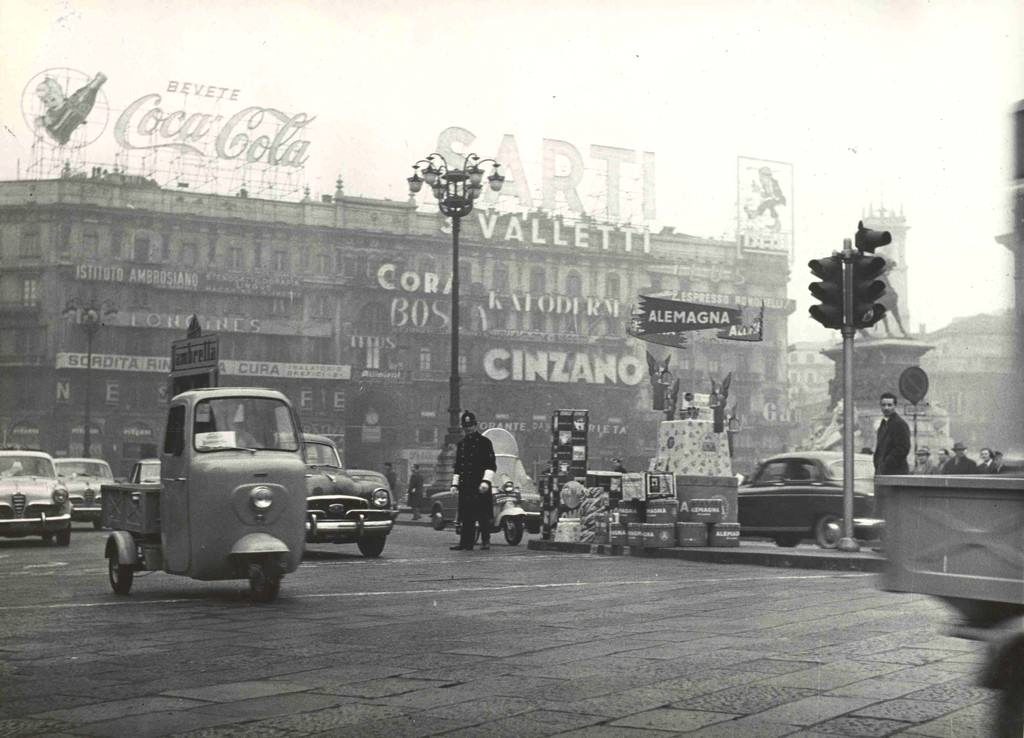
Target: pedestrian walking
(986, 461)
(923, 463)
(389, 474)
(414, 492)
(944, 456)
(960, 463)
(474, 471)
(892, 443)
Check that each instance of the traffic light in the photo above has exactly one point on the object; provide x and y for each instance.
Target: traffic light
(868, 239)
(868, 289)
(829, 291)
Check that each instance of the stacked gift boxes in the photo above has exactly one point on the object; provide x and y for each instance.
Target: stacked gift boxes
(569, 444)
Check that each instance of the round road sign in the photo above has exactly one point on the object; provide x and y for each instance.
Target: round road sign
(913, 384)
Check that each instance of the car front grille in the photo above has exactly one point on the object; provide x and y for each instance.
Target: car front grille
(334, 508)
(18, 503)
(90, 497)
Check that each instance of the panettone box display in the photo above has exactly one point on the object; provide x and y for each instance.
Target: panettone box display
(662, 511)
(628, 511)
(658, 535)
(692, 447)
(711, 510)
(617, 534)
(691, 534)
(723, 534)
(690, 488)
(635, 535)
(634, 486)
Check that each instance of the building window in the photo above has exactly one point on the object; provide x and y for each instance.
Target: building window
(237, 260)
(500, 278)
(165, 248)
(29, 291)
(304, 256)
(537, 321)
(116, 242)
(425, 359)
(279, 306)
(655, 282)
(141, 249)
(189, 254)
(281, 261)
(573, 284)
(30, 244)
(91, 244)
(211, 253)
(257, 256)
(538, 280)
(323, 262)
(612, 286)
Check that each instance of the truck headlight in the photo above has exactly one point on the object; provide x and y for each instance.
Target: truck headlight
(261, 498)
(60, 495)
(380, 497)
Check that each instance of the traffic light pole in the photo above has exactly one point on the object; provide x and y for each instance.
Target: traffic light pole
(847, 542)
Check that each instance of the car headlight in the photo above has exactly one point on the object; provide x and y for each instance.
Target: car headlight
(380, 497)
(261, 498)
(60, 495)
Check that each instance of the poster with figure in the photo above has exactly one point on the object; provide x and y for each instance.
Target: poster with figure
(765, 205)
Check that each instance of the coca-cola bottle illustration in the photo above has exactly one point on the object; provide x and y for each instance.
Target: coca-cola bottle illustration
(64, 114)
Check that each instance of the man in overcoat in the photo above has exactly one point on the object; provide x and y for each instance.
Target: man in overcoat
(474, 472)
(892, 443)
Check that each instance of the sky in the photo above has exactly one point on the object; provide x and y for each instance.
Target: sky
(903, 103)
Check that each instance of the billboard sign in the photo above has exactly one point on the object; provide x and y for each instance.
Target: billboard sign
(765, 205)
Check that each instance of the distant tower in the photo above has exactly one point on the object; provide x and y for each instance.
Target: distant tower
(882, 219)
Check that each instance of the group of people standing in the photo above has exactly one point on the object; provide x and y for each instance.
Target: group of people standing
(892, 446)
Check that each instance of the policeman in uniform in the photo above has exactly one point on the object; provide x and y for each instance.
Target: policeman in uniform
(474, 472)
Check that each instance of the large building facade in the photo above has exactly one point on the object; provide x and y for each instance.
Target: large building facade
(343, 303)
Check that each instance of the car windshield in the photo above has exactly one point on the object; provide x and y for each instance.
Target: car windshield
(321, 454)
(364, 475)
(26, 466)
(256, 423)
(98, 469)
(149, 471)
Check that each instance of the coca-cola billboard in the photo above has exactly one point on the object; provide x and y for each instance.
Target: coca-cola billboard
(67, 109)
(255, 134)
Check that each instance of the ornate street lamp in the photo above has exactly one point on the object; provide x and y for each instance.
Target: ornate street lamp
(455, 191)
(89, 317)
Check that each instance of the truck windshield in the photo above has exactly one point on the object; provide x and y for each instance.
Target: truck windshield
(256, 423)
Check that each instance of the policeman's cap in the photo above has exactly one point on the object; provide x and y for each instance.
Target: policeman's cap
(468, 419)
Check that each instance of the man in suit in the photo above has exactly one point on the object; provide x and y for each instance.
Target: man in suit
(893, 439)
(924, 464)
(475, 466)
(960, 464)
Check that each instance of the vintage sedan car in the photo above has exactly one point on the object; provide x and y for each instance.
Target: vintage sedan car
(33, 501)
(83, 479)
(796, 496)
(443, 505)
(344, 505)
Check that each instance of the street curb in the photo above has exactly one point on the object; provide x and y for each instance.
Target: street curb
(831, 561)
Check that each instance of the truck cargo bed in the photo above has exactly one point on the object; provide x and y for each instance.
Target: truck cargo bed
(132, 507)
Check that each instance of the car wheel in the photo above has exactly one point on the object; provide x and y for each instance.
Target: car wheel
(263, 585)
(788, 540)
(121, 576)
(827, 531)
(63, 537)
(513, 530)
(437, 519)
(371, 548)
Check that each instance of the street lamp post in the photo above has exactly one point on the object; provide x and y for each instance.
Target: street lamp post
(455, 191)
(90, 317)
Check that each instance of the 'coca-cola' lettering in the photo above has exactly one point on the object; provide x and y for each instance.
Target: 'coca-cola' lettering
(259, 134)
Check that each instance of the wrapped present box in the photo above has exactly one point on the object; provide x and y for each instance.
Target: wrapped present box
(691, 447)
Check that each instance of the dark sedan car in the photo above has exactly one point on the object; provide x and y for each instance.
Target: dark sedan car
(799, 495)
(345, 506)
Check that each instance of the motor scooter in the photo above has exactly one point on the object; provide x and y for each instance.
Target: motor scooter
(508, 516)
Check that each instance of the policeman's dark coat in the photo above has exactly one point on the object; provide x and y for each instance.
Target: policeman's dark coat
(474, 456)
(892, 445)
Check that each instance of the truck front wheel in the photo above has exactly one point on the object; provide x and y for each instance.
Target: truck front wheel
(121, 576)
(264, 581)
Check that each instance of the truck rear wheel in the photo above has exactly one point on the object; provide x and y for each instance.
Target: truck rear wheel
(371, 548)
(121, 576)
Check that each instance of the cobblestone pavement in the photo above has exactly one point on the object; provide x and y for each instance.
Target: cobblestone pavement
(510, 642)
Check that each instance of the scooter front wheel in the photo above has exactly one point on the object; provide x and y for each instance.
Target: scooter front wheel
(513, 530)
(263, 584)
